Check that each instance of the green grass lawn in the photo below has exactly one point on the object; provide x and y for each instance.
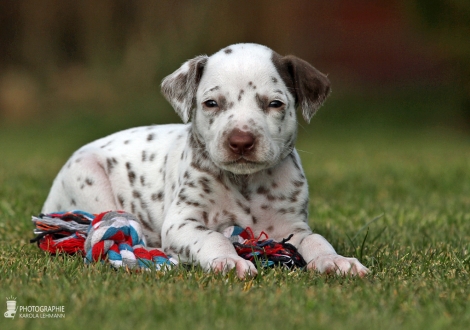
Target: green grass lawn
(388, 185)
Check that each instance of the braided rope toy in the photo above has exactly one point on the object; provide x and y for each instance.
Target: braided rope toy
(265, 251)
(113, 236)
(116, 237)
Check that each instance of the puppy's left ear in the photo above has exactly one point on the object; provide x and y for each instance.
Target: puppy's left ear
(180, 87)
(309, 86)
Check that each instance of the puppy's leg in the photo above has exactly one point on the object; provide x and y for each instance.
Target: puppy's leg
(81, 184)
(321, 256)
(184, 235)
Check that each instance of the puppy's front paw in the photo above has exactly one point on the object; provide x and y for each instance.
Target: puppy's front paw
(340, 265)
(244, 268)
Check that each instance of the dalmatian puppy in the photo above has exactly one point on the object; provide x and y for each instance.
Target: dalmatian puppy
(232, 162)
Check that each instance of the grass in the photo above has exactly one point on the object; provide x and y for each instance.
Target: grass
(385, 188)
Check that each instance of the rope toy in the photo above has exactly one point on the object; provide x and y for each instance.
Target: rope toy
(112, 236)
(116, 237)
(265, 251)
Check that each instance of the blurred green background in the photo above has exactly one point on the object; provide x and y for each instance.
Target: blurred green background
(100, 62)
(391, 143)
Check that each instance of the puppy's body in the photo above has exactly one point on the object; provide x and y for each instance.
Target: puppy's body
(234, 164)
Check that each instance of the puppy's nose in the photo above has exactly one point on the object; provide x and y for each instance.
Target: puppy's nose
(241, 142)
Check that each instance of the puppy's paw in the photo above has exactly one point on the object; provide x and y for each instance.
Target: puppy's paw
(333, 263)
(244, 268)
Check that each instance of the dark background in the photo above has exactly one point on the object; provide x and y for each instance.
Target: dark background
(104, 60)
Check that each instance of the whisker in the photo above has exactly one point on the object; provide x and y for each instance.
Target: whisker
(300, 125)
(305, 151)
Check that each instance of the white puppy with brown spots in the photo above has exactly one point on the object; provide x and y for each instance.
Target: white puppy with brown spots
(233, 162)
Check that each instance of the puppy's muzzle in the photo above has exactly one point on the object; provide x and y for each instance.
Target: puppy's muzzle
(241, 143)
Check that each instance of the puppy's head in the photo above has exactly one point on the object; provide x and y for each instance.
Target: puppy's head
(242, 103)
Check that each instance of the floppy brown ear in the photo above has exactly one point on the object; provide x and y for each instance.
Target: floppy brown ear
(180, 87)
(309, 86)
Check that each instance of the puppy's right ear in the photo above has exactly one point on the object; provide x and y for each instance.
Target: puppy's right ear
(180, 87)
(309, 86)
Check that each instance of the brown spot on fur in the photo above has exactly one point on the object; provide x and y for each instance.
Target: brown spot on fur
(121, 200)
(145, 224)
(298, 183)
(240, 94)
(201, 228)
(232, 218)
(110, 163)
(262, 190)
(245, 208)
(192, 203)
(131, 175)
(223, 104)
(191, 184)
(105, 145)
(288, 210)
(300, 230)
(294, 160)
(132, 207)
(205, 217)
(262, 102)
(294, 195)
(204, 182)
(216, 218)
(157, 196)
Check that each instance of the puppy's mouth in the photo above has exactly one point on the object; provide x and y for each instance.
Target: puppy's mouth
(242, 160)
(242, 165)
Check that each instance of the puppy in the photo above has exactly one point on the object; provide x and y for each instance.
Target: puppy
(232, 162)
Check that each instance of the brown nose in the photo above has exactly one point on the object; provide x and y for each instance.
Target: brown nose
(241, 142)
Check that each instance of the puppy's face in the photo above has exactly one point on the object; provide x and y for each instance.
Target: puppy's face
(244, 111)
(242, 102)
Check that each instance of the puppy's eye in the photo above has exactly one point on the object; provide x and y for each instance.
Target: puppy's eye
(276, 104)
(211, 104)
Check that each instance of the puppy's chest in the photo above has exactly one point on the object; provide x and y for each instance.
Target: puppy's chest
(256, 204)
